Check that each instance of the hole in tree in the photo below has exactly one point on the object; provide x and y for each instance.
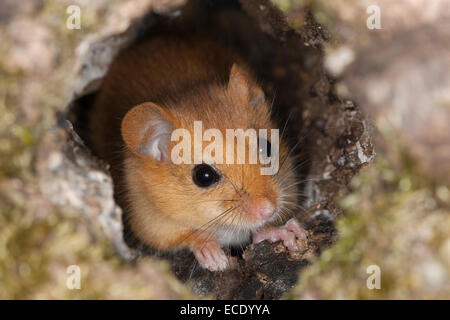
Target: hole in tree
(286, 69)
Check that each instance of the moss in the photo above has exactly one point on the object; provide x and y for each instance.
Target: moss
(38, 242)
(35, 254)
(393, 220)
(323, 13)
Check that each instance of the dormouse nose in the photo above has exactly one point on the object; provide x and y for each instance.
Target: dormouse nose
(261, 208)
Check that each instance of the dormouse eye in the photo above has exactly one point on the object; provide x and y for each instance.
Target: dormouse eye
(204, 175)
(264, 145)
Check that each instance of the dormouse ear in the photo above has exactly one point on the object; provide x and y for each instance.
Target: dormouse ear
(241, 83)
(146, 130)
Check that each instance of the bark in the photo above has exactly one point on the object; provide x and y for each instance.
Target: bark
(333, 136)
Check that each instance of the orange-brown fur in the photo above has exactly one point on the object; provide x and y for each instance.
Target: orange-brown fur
(188, 77)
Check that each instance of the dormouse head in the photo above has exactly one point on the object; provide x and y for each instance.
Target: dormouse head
(192, 158)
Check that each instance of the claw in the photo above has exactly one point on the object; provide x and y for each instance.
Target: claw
(293, 226)
(211, 256)
(287, 233)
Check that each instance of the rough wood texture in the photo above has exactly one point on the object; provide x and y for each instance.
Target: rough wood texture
(398, 73)
(333, 136)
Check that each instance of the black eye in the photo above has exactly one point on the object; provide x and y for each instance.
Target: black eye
(262, 148)
(204, 175)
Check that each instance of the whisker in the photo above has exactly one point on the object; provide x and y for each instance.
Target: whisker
(218, 224)
(234, 187)
(285, 124)
(214, 220)
(287, 157)
(219, 200)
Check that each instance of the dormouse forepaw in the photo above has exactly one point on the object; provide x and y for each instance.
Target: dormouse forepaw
(287, 233)
(211, 256)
